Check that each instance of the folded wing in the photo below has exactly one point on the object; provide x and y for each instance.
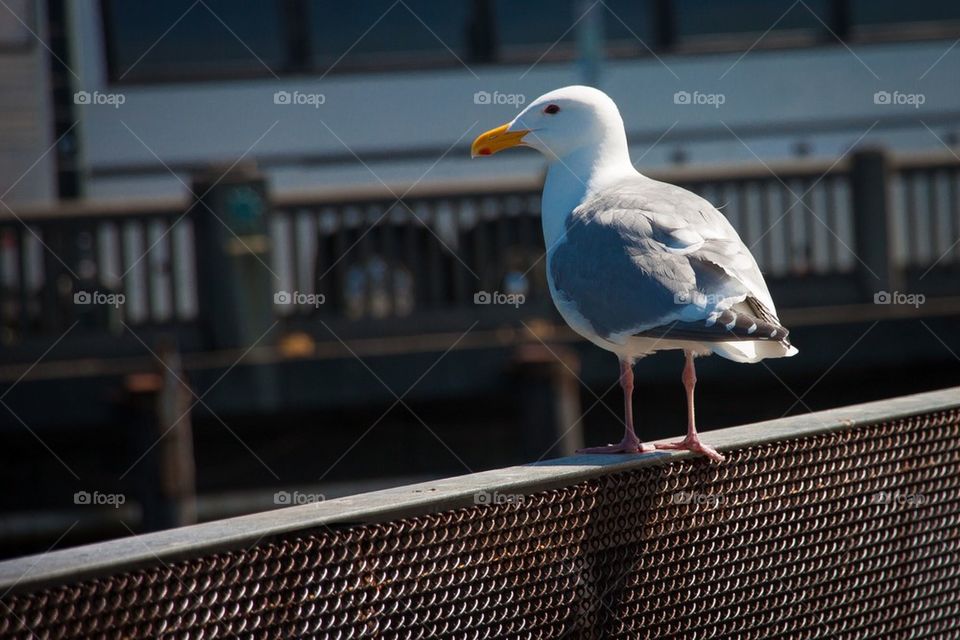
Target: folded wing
(652, 259)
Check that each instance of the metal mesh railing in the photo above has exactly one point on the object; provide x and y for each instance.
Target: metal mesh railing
(849, 533)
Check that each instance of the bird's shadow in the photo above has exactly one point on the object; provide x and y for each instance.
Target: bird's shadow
(608, 560)
(601, 459)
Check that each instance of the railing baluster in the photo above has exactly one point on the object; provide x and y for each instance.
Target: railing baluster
(385, 231)
(22, 282)
(407, 231)
(150, 265)
(953, 207)
(924, 238)
(50, 271)
(292, 257)
(771, 218)
(831, 189)
(813, 224)
(173, 286)
(821, 231)
(909, 201)
(160, 271)
(6, 248)
(134, 281)
(750, 217)
(109, 249)
(481, 248)
(461, 294)
(939, 222)
(434, 262)
(795, 222)
(338, 269)
(326, 225)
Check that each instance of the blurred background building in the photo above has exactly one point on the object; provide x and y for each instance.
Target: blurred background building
(246, 261)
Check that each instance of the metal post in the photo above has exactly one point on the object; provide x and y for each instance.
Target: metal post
(160, 425)
(550, 401)
(481, 32)
(664, 25)
(235, 287)
(590, 41)
(870, 194)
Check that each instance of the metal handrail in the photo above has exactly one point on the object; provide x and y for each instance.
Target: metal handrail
(162, 548)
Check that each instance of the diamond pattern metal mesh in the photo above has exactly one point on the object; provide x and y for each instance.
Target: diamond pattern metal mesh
(848, 534)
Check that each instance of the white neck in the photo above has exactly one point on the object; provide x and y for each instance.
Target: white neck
(576, 174)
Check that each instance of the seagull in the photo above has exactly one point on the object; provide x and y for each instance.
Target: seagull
(636, 265)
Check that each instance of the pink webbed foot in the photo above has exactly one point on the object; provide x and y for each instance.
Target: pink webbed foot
(627, 445)
(695, 445)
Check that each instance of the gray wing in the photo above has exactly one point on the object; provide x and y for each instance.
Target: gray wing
(649, 258)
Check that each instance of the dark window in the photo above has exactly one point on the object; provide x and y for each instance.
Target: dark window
(371, 33)
(528, 28)
(177, 40)
(874, 12)
(628, 20)
(629, 27)
(197, 43)
(701, 19)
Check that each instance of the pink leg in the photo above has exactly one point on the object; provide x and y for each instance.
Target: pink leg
(692, 441)
(630, 443)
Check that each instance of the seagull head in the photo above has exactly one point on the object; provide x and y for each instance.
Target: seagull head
(564, 123)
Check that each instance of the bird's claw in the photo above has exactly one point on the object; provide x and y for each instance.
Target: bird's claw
(627, 445)
(694, 445)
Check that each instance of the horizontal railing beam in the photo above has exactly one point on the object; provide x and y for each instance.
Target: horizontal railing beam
(479, 187)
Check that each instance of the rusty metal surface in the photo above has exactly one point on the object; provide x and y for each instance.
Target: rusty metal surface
(846, 534)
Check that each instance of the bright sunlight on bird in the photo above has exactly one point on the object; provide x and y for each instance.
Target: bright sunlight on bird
(636, 265)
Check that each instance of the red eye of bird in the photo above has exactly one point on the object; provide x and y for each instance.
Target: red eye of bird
(551, 109)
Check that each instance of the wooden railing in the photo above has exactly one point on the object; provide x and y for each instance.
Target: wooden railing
(822, 232)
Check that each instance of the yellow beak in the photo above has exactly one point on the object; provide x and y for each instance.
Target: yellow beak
(495, 140)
